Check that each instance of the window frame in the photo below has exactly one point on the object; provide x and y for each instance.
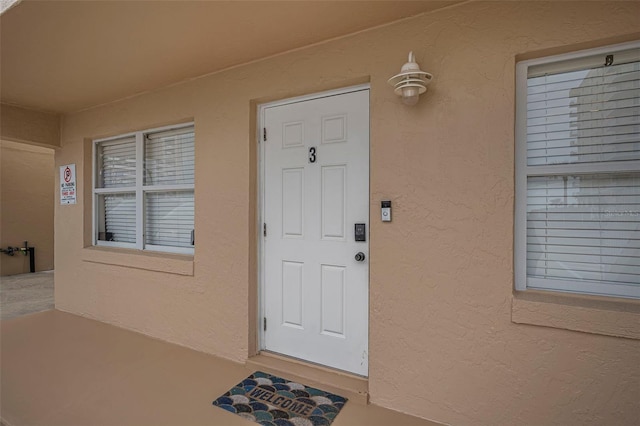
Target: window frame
(140, 189)
(523, 171)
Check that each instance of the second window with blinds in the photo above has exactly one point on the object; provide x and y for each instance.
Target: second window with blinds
(143, 190)
(577, 223)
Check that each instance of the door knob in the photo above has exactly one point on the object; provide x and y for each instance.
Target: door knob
(360, 256)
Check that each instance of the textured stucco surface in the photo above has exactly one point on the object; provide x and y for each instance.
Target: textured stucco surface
(26, 201)
(442, 343)
(30, 126)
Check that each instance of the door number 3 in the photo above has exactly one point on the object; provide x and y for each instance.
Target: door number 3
(312, 154)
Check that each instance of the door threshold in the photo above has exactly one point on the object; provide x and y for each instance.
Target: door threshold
(355, 388)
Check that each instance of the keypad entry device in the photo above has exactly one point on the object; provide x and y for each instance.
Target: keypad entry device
(361, 232)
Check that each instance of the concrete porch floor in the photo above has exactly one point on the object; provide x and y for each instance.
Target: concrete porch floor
(25, 294)
(62, 369)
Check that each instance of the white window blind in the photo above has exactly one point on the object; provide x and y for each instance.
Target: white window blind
(169, 158)
(119, 217)
(583, 227)
(169, 218)
(144, 190)
(117, 163)
(578, 174)
(584, 116)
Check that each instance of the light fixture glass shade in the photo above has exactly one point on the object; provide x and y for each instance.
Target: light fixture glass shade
(411, 82)
(410, 96)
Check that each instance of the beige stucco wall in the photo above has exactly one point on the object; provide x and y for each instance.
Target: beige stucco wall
(29, 126)
(26, 204)
(442, 341)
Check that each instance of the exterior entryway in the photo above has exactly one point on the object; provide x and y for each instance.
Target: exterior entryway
(315, 188)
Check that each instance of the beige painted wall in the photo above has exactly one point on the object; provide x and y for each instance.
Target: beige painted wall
(26, 204)
(29, 126)
(442, 341)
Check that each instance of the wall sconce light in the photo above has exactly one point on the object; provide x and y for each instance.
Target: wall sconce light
(411, 82)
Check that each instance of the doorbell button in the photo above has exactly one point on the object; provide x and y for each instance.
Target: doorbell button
(385, 211)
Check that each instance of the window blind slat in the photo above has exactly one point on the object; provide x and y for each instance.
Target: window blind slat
(567, 273)
(601, 102)
(594, 262)
(612, 90)
(585, 154)
(593, 149)
(580, 134)
(585, 101)
(616, 243)
(593, 112)
(573, 123)
(622, 273)
(587, 250)
(585, 142)
(628, 155)
(588, 76)
(581, 233)
(568, 218)
(587, 86)
(571, 193)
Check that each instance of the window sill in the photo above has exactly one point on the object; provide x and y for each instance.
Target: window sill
(588, 314)
(178, 264)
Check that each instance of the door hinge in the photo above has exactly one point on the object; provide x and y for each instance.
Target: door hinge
(264, 134)
(264, 323)
(264, 229)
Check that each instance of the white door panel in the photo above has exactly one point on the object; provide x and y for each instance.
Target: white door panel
(316, 295)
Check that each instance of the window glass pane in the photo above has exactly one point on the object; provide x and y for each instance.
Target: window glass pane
(117, 217)
(116, 163)
(169, 218)
(584, 227)
(584, 116)
(169, 158)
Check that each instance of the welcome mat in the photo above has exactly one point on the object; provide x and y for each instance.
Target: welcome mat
(274, 401)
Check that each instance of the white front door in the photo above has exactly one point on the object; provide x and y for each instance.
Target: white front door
(316, 189)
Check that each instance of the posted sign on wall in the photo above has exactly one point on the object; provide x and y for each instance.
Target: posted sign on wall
(68, 184)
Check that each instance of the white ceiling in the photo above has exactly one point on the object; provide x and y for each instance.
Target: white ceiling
(63, 56)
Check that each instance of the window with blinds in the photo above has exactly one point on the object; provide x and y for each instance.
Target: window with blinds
(578, 173)
(144, 190)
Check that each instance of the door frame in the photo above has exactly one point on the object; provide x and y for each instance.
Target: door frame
(261, 190)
